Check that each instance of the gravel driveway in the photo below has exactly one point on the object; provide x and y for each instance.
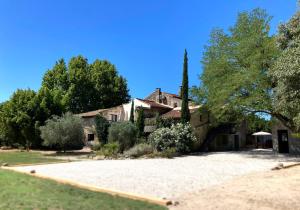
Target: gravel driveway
(163, 178)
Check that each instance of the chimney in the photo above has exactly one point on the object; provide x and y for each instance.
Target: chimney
(180, 91)
(158, 90)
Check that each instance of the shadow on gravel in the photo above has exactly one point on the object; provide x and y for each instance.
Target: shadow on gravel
(256, 153)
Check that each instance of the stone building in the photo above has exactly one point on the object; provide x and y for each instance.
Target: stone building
(169, 99)
(113, 114)
(284, 141)
(168, 105)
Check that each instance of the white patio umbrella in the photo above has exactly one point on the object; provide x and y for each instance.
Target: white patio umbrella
(262, 133)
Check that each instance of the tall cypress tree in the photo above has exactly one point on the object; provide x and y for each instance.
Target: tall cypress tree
(131, 118)
(185, 112)
(140, 122)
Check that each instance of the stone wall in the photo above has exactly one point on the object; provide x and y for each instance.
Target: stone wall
(294, 142)
(200, 124)
(89, 125)
(166, 98)
(89, 128)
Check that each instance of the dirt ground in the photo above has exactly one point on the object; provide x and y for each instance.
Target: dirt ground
(279, 189)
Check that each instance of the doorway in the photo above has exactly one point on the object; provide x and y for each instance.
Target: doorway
(236, 142)
(283, 141)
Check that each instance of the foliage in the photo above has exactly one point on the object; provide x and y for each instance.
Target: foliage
(179, 136)
(123, 133)
(185, 112)
(131, 118)
(102, 126)
(258, 123)
(84, 87)
(110, 88)
(139, 150)
(169, 153)
(140, 122)
(286, 72)
(110, 150)
(165, 122)
(78, 87)
(235, 78)
(18, 119)
(81, 90)
(64, 132)
(20, 191)
(96, 147)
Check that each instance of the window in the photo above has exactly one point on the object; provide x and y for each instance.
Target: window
(114, 117)
(175, 104)
(91, 137)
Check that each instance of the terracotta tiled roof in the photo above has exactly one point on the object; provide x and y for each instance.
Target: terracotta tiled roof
(176, 112)
(91, 113)
(154, 104)
(172, 114)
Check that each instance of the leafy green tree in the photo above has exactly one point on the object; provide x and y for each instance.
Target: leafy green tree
(102, 126)
(64, 132)
(286, 73)
(53, 93)
(131, 118)
(81, 90)
(140, 122)
(82, 87)
(110, 88)
(18, 119)
(235, 80)
(50, 103)
(77, 88)
(57, 77)
(185, 112)
(256, 123)
(123, 133)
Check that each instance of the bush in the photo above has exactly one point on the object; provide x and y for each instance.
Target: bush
(96, 147)
(64, 132)
(109, 150)
(169, 153)
(139, 150)
(178, 136)
(123, 133)
(102, 126)
(165, 122)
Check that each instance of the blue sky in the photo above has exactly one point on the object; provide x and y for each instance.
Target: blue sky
(145, 39)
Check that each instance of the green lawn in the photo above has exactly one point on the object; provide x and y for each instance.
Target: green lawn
(15, 158)
(19, 191)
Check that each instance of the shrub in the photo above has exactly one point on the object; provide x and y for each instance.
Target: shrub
(96, 147)
(139, 150)
(102, 126)
(165, 122)
(123, 133)
(63, 132)
(178, 136)
(109, 150)
(169, 153)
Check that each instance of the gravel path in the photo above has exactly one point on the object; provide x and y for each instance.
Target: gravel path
(163, 178)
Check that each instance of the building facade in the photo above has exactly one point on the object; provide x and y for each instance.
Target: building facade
(166, 105)
(284, 141)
